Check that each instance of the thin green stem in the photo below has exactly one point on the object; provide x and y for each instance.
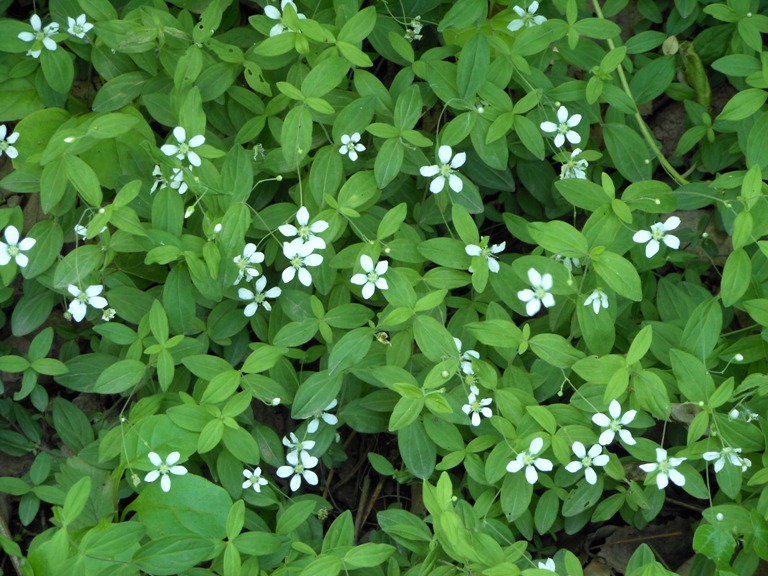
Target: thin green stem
(641, 123)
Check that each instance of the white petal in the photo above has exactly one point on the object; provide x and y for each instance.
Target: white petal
(559, 140)
(590, 475)
(515, 466)
(305, 277)
(366, 263)
(78, 310)
(648, 468)
(177, 470)
(519, 11)
(536, 445)
(532, 307)
(543, 464)
(606, 437)
(169, 149)
(193, 158)
(458, 160)
(526, 295)
(368, 289)
(444, 154)
(437, 184)
(154, 457)
(429, 171)
(601, 460)
(98, 302)
(515, 25)
(26, 36)
(677, 477)
(573, 121)
(273, 292)
(302, 216)
(548, 126)
(642, 236)
(493, 265)
(310, 477)
(534, 277)
(272, 12)
(651, 248)
(196, 141)
(531, 475)
(455, 183)
(671, 223)
(359, 279)
(284, 471)
(672, 241)
(152, 476)
(601, 420)
(548, 300)
(21, 260)
(381, 267)
(546, 281)
(562, 114)
(165, 483)
(573, 137)
(288, 274)
(662, 481)
(27, 244)
(579, 449)
(628, 416)
(295, 483)
(626, 436)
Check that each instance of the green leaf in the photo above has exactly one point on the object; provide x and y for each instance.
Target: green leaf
(555, 350)
(559, 237)
(435, 342)
(743, 105)
(293, 516)
(172, 554)
(76, 499)
(262, 358)
(640, 345)
(737, 275)
(585, 496)
(295, 334)
(359, 26)
(221, 387)
(315, 393)
(620, 275)
(691, 376)
(388, 162)
(84, 179)
(463, 14)
(628, 151)
(417, 449)
(516, 495)
(71, 425)
(119, 377)
(651, 80)
(119, 91)
(597, 28)
(715, 543)
(349, 350)
(405, 412)
(367, 555)
(472, 69)
(324, 77)
(702, 331)
(58, 69)
(583, 193)
(296, 136)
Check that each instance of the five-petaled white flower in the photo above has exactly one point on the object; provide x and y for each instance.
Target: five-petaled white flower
(586, 460)
(79, 27)
(538, 294)
(487, 252)
(598, 299)
(549, 565)
(183, 149)
(466, 358)
(299, 254)
(350, 145)
(164, 468)
(527, 459)
(727, 454)
(6, 142)
(108, 314)
(615, 423)
(89, 297)
(306, 232)
(476, 407)
(258, 298)
(40, 37)
(445, 171)
(325, 416)
(563, 127)
(527, 18)
(175, 182)
(658, 233)
(295, 445)
(665, 469)
(372, 276)
(14, 248)
(254, 479)
(299, 465)
(574, 168)
(246, 261)
(275, 13)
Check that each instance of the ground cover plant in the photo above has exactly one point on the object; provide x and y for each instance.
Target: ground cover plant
(419, 287)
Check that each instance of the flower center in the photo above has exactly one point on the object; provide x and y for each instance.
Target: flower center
(350, 146)
(40, 35)
(77, 29)
(562, 128)
(586, 462)
(4, 145)
(299, 469)
(539, 292)
(446, 170)
(528, 459)
(372, 277)
(476, 406)
(163, 468)
(664, 466)
(297, 262)
(615, 425)
(83, 297)
(242, 263)
(304, 231)
(13, 251)
(259, 298)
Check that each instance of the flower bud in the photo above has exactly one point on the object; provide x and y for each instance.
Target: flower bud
(738, 357)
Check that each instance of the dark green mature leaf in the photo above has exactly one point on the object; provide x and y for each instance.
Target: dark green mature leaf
(296, 136)
(737, 275)
(620, 275)
(628, 151)
(315, 393)
(172, 554)
(71, 425)
(119, 377)
(652, 79)
(417, 449)
(702, 331)
(349, 350)
(473, 65)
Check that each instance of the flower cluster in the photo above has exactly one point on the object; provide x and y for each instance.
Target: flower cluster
(527, 18)
(371, 277)
(91, 296)
(164, 469)
(538, 293)
(413, 29)
(563, 130)
(275, 13)
(350, 146)
(658, 233)
(445, 171)
(42, 37)
(183, 149)
(485, 251)
(477, 407)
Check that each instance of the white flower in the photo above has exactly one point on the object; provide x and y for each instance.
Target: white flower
(372, 278)
(254, 479)
(323, 415)
(305, 231)
(538, 294)
(569, 263)
(5, 143)
(350, 145)
(295, 445)
(527, 459)
(246, 261)
(299, 465)
(730, 455)
(666, 469)
(563, 127)
(574, 168)
(598, 299)
(466, 358)
(107, 314)
(477, 407)
(273, 13)
(183, 149)
(658, 233)
(445, 171)
(299, 256)
(79, 27)
(528, 19)
(487, 252)
(549, 564)
(40, 37)
(14, 248)
(175, 182)
(258, 298)
(614, 424)
(164, 468)
(586, 460)
(90, 297)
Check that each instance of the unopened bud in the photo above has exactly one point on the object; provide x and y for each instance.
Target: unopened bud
(190, 210)
(719, 516)
(275, 401)
(217, 229)
(445, 374)
(279, 177)
(738, 357)
(733, 414)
